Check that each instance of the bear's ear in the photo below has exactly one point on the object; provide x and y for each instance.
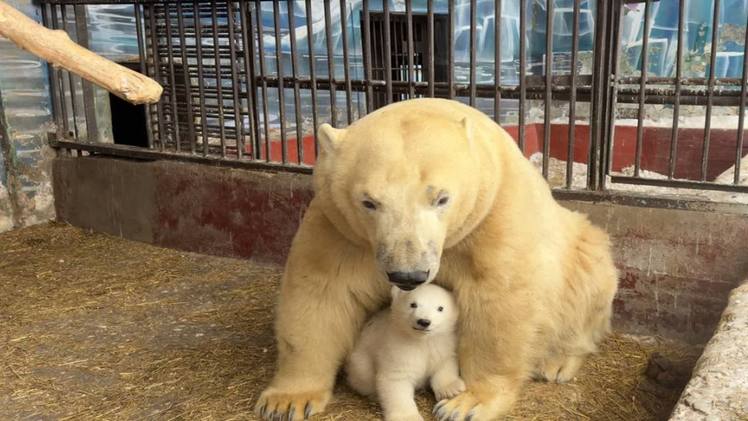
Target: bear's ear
(329, 137)
(467, 128)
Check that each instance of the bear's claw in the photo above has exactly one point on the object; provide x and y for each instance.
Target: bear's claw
(464, 407)
(262, 410)
(291, 412)
(438, 407)
(274, 405)
(307, 410)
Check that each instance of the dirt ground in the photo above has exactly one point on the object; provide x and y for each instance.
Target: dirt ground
(96, 327)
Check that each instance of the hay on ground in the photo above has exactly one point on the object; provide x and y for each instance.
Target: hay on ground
(96, 327)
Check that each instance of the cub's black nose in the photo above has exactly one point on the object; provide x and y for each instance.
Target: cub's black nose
(408, 281)
(424, 323)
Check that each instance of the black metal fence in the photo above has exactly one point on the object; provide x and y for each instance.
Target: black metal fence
(246, 82)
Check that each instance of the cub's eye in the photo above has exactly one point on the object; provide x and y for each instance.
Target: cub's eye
(368, 204)
(413, 305)
(442, 201)
(440, 308)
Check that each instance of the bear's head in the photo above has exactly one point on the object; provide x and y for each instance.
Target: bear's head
(426, 310)
(407, 184)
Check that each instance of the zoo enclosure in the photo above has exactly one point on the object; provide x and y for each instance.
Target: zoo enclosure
(245, 83)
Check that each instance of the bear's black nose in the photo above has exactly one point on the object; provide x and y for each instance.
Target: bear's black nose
(424, 323)
(408, 281)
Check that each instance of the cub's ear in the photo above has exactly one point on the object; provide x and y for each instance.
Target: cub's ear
(329, 138)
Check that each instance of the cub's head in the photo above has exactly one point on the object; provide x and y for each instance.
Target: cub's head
(428, 309)
(405, 184)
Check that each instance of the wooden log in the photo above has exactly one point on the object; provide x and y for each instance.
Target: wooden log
(56, 47)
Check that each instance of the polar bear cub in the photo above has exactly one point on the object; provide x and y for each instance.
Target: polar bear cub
(403, 347)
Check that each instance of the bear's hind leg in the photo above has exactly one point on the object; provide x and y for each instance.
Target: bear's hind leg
(559, 368)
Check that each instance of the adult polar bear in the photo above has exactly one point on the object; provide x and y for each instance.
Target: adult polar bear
(433, 190)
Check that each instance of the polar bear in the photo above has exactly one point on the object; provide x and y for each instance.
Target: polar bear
(404, 347)
(432, 190)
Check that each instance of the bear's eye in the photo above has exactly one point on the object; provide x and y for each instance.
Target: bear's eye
(442, 201)
(368, 204)
(413, 305)
(440, 308)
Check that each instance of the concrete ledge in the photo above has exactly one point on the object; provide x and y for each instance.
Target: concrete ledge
(718, 389)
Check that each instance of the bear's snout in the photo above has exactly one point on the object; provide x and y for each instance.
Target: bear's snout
(408, 281)
(424, 323)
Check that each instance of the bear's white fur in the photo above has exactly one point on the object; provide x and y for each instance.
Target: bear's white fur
(434, 190)
(404, 347)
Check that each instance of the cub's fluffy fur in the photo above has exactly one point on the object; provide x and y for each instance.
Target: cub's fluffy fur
(404, 347)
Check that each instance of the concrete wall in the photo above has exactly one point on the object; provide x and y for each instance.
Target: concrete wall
(677, 266)
(718, 386)
(25, 160)
(205, 209)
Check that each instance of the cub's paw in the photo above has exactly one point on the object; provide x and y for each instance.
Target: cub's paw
(449, 390)
(464, 407)
(275, 404)
(404, 417)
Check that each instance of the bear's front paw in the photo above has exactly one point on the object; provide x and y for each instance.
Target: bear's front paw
(449, 390)
(467, 407)
(277, 404)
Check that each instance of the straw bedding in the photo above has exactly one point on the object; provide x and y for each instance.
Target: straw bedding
(96, 327)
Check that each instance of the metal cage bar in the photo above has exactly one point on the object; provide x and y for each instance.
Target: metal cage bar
(571, 140)
(431, 47)
(156, 68)
(312, 71)
(409, 49)
(281, 88)
(196, 17)
(296, 92)
(497, 61)
(235, 81)
(221, 63)
(522, 72)
(251, 87)
(52, 73)
(548, 85)
(330, 65)
(610, 118)
(186, 79)
(346, 64)
(741, 112)
(710, 91)
(177, 139)
(263, 72)
(601, 96)
(678, 83)
(642, 86)
(451, 47)
(473, 51)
